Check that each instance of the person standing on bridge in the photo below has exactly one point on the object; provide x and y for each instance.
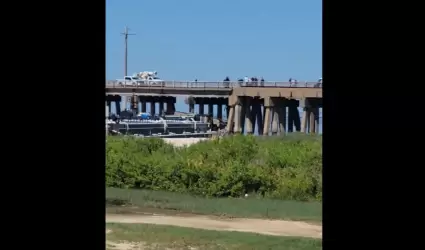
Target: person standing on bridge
(319, 83)
(246, 80)
(226, 82)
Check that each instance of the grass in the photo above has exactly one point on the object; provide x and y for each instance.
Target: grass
(169, 237)
(168, 202)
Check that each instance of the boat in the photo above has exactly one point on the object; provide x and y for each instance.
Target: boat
(146, 125)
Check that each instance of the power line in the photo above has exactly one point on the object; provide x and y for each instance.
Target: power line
(126, 34)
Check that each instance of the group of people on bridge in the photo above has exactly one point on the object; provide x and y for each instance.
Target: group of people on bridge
(254, 82)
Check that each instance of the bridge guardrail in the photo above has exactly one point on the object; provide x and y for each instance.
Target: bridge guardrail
(214, 85)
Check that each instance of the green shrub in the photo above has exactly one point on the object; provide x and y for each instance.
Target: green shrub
(283, 168)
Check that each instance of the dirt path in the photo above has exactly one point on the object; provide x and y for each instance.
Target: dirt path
(269, 227)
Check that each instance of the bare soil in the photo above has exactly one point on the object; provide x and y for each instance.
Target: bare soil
(260, 226)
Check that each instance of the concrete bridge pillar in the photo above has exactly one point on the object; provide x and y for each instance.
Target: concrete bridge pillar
(171, 109)
(305, 105)
(153, 111)
(304, 120)
(231, 114)
(312, 124)
(230, 117)
(275, 116)
(238, 110)
(161, 105)
(310, 116)
(257, 116)
(123, 103)
(268, 105)
(134, 104)
(275, 121)
(211, 107)
(143, 100)
(293, 116)
(201, 105)
(248, 116)
(219, 110)
(282, 116)
(117, 107)
(227, 111)
(314, 120)
(242, 101)
(297, 120)
(254, 102)
(290, 120)
(143, 106)
(108, 105)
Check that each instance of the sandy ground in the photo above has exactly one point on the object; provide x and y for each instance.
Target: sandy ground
(183, 141)
(268, 227)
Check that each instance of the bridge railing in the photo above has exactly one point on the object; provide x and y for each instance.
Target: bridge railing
(213, 85)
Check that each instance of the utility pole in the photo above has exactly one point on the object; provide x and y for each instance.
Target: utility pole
(126, 34)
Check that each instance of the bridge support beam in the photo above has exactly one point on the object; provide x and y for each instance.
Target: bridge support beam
(211, 107)
(304, 120)
(231, 113)
(316, 119)
(201, 106)
(257, 115)
(282, 116)
(123, 103)
(313, 120)
(275, 117)
(161, 105)
(253, 115)
(117, 107)
(109, 104)
(248, 116)
(227, 111)
(290, 121)
(143, 101)
(117, 101)
(297, 120)
(293, 116)
(310, 116)
(134, 100)
(153, 108)
(269, 104)
(219, 111)
(171, 108)
(237, 120)
(312, 127)
(305, 104)
(230, 117)
(242, 101)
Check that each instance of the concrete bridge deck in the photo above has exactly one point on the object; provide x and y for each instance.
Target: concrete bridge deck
(209, 89)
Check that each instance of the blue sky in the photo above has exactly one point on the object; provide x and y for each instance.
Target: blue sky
(209, 40)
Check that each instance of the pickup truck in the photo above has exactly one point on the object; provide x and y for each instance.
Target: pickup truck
(136, 81)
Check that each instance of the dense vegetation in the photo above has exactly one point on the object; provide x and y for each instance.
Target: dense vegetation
(287, 168)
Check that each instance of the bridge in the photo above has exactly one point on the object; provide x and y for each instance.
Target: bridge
(243, 101)
(209, 89)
